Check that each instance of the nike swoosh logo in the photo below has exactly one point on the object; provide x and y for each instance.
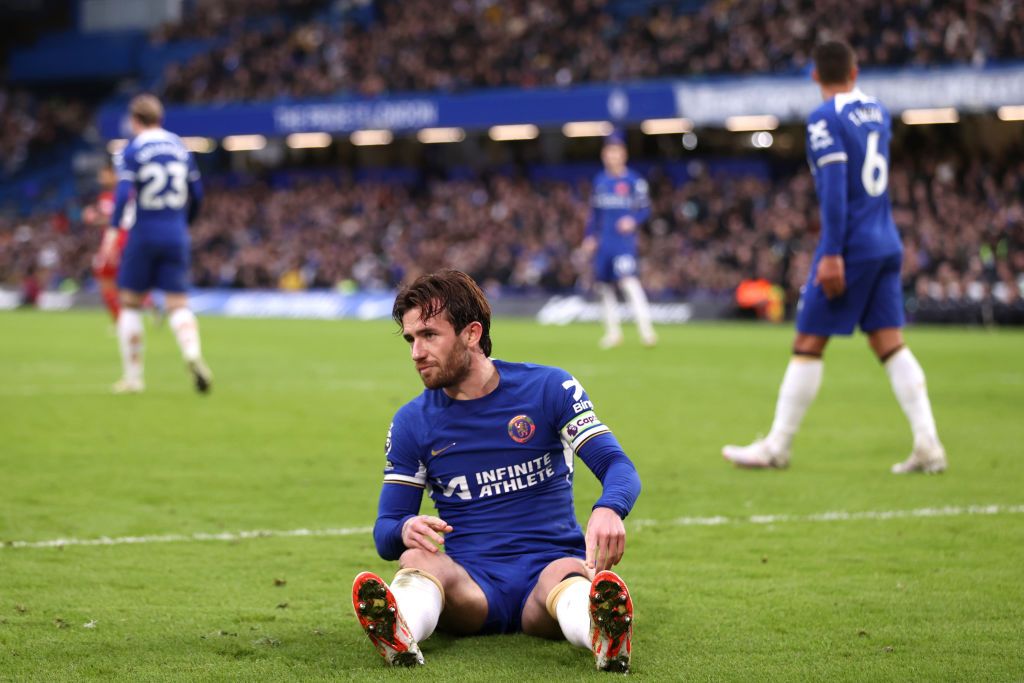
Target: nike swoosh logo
(439, 452)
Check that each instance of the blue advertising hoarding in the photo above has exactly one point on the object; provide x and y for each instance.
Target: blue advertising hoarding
(705, 101)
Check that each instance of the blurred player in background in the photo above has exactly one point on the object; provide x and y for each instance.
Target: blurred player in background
(855, 276)
(161, 172)
(98, 215)
(619, 205)
(495, 442)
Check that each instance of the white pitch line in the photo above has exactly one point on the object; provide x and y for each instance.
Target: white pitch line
(639, 524)
(838, 516)
(179, 538)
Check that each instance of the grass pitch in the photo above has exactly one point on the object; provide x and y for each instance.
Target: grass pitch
(292, 438)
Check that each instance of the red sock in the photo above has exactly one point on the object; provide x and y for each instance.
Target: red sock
(111, 301)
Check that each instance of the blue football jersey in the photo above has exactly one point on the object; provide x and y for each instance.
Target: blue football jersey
(613, 197)
(848, 151)
(499, 468)
(165, 179)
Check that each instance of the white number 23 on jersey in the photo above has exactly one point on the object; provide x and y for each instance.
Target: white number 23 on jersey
(163, 185)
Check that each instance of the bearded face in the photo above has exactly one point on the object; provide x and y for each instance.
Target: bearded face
(441, 356)
(448, 370)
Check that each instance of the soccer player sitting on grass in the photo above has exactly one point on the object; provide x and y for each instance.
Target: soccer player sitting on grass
(494, 442)
(855, 276)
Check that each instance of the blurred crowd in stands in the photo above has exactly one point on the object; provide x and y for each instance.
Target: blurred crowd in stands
(417, 45)
(963, 229)
(30, 126)
(962, 219)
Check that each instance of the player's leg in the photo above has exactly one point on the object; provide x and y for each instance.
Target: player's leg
(429, 589)
(799, 387)
(564, 582)
(134, 278)
(130, 334)
(109, 294)
(818, 318)
(595, 614)
(465, 604)
(172, 278)
(634, 292)
(883, 321)
(106, 278)
(604, 279)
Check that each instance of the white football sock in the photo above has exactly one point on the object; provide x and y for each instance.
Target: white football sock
(641, 308)
(569, 604)
(186, 331)
(609, 310)
(799, 387)
(908, 383)
(129, 337)
(420, 601)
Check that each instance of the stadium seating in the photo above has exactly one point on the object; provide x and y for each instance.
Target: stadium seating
(517, 225)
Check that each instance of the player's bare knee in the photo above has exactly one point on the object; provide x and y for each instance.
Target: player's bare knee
(809, 345)
(886, 342)
(560, 569)
(175, 301)
(417, 558)
(131, 299)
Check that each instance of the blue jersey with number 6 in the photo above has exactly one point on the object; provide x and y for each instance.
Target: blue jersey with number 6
(848, 151)
(161, 172)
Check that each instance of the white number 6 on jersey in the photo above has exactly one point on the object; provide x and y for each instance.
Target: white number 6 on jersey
(875, 172)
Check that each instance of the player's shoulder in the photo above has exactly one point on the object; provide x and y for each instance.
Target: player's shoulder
(417, 411)
(162, 137)
(856, 106)
(826, 111)
(541, 382)
(522, 373)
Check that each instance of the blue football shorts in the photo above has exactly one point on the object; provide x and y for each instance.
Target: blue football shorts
(873, 299)
(154, 265)
(612, 266)
(507, 584)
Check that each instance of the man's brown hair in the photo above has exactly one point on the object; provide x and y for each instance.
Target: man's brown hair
(147, 110)
(451, 292)
(834, 60)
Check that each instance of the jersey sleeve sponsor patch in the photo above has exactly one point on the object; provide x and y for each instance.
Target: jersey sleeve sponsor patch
(818, 136)
(582, 428)
(402, 463)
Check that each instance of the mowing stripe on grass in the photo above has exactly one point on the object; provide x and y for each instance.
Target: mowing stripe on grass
(639, 524)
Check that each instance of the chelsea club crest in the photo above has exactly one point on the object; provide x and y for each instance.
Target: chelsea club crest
(521, 428)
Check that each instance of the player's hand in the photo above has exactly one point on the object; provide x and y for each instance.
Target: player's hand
(831, 276)
(589, 246)
(625, 225)
(425, 532)
(606, 539)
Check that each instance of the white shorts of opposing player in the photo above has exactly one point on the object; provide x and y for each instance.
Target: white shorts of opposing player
(634, 293)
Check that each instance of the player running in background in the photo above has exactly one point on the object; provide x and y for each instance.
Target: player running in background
(855, 276)
(98, 215)
(494, 442)
(161, 172)
(619, 205)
